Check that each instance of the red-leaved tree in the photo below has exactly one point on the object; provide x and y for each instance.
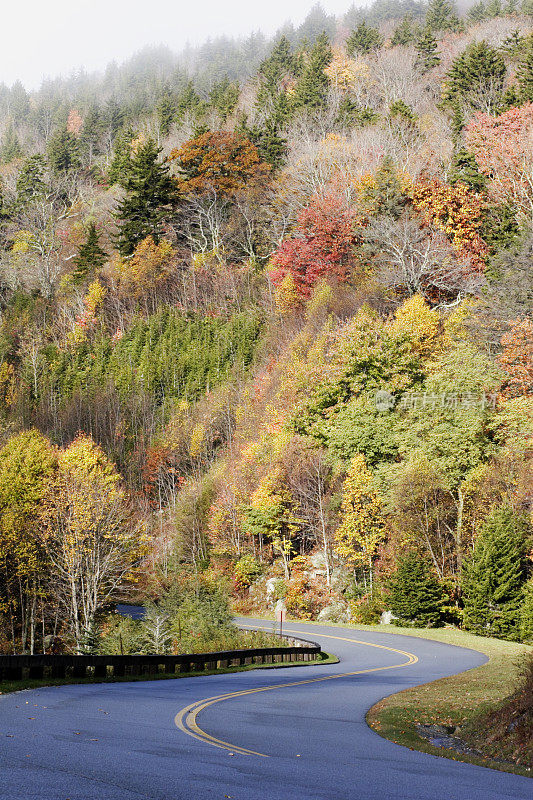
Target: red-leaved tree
(321, 247)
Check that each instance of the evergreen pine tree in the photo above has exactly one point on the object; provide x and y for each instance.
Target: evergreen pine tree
(188, 100)
(19, 102)
(151, 196)
(10, 148)
(90, 257)
(457, 119)
(426, 51)
(500, 228)
(63, 151)
(494, 9)
(404, 33)
(476, 76)
(121, 161)
(363, 40)
(30, 180)
(224, 96)
(464, 169)
(165, 111)
(113, 117)
(400, 110)
(312, 88)
(526, 613)
(271, 145)
(280, 62)
(386, 192)
(493, 576)
(524, 70)
(353, 115)
(477, 12)
(441, 15)
(415, 595)
(91, 133)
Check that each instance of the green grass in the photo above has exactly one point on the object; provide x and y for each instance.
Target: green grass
(6, 687)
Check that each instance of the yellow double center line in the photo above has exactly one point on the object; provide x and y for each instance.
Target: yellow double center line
(186, 719)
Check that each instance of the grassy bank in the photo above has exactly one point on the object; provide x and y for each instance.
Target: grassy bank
(7, 687)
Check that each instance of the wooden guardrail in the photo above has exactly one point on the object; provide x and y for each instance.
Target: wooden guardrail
(14, 668)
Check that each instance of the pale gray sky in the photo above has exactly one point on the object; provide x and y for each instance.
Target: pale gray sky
(51, 37)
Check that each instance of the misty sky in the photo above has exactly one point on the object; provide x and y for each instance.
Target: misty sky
(46, 38)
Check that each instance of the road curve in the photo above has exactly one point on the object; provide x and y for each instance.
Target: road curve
(279, 734)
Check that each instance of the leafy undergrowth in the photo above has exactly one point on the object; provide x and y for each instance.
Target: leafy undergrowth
(6, 687)
(508, 730)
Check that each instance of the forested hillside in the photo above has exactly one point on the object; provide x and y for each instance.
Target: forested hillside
(267, 328)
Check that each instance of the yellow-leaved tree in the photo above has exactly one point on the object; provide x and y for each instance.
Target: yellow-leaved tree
(362, 529)
(28, 464)
(270, 518)
(420, 325)
(91, 536)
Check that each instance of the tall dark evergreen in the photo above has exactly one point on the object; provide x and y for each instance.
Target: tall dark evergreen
(386, 192)
(426, 51)
(524, 70)
(224, 96)
(270, 143)
(90, 257)
(121, 161)
(493, 576)
(312, 88)
(166, 111)
(415, 595)
(476, 77)
(91, 134)
(151, 196)
(363, 40)
(464, 169)
(10, 148)
(63, 151)
(526, 613)
(477, 12)
(280, 64)
(442, 15)
(404, 33)
(31, 180)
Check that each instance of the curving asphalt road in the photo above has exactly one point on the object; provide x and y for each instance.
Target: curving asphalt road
(301, 736)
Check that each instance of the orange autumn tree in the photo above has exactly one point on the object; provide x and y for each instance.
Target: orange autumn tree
(503, 151)
(218, 162)
(457, 212)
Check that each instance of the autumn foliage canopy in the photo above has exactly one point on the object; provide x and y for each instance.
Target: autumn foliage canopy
(321, 247)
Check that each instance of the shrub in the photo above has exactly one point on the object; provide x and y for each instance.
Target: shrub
(246, 571)
(415, 594)
(367, 610)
